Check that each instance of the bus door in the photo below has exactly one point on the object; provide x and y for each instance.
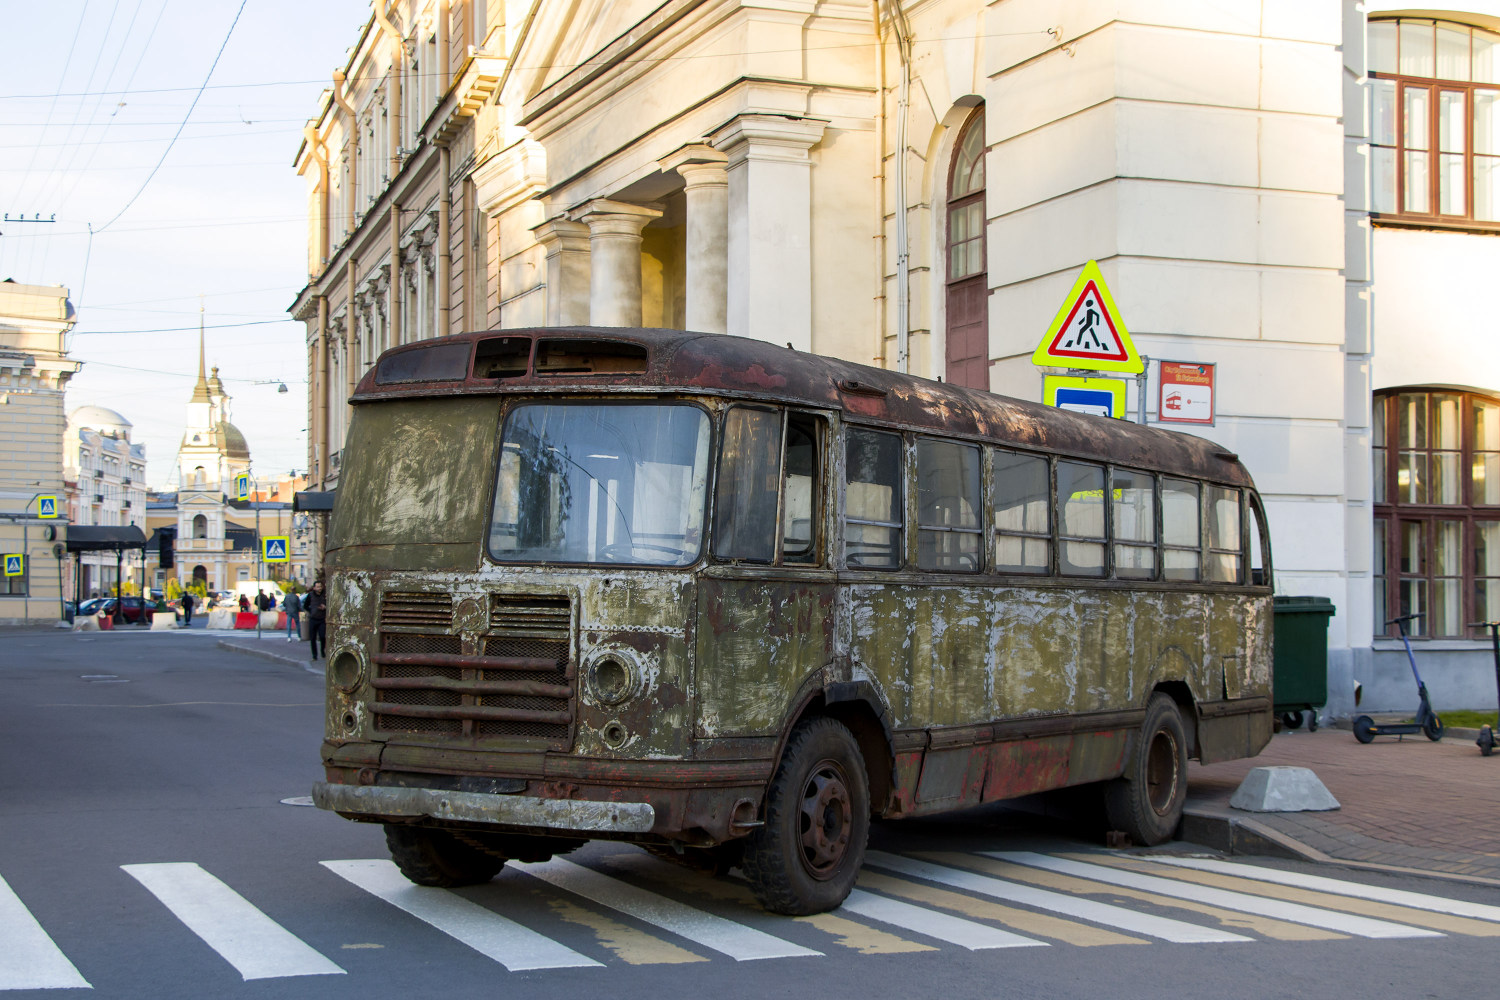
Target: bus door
(765, 604)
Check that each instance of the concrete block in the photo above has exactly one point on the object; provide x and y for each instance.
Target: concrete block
(1282, 789)
(221, 618)
(163, 620)
(85, 623)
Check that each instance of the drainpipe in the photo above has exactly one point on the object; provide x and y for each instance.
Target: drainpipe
(445, 78)
(393, 325)
(319, 399)
(353, 133)
(393, 84)
(903, 242)
(445, 251)
(349, 331)
(314, 143)
(880, 137)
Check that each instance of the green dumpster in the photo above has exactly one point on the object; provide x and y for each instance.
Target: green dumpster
(1300, 628)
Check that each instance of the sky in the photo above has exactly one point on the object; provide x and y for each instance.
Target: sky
(92, 93)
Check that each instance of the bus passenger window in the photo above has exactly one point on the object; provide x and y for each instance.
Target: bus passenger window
(1023, 525)
(948, 528)
(1223, 535)
(873, 500)
(1134, 506)
(749, 482)
(1260, 554)
(1080, 518)
(799, 515)
(1180, 529)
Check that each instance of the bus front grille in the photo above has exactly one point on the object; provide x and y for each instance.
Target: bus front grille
(519, 687)
(416, 610)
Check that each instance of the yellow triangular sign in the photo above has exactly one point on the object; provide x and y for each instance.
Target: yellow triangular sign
(1088, 332)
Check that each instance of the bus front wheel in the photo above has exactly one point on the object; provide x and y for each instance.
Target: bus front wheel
(807, 855)
(1146, 801)
(436, 857)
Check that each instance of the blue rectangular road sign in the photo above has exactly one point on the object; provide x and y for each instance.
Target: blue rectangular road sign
(15, 564)
(276, 549)
(46, 507)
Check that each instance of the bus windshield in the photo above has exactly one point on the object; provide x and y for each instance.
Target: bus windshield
(596, 483)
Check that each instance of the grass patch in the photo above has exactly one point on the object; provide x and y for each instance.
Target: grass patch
(1468, 718)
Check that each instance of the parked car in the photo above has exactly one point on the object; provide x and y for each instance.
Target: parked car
(133, 611)
(91, 606)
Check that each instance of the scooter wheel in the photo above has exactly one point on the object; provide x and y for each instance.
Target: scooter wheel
(1292, 720)
(1433, 728)
(1364, 729)
(1486, 741)
(1312, 721)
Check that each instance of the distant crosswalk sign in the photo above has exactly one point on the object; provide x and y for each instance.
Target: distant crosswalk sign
(46, 507)
(242, 487)
(276, 549)
(15, 564)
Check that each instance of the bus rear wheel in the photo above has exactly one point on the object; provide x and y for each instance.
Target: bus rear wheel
(807, 856)
(1146, 801)
(438, 858)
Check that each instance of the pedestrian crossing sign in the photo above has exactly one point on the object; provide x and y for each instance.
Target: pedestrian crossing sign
(276, 549)
(242, 487)
(1088, 332)
(46, 507)
(15, 564)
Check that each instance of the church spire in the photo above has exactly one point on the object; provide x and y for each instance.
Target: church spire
(200, 391)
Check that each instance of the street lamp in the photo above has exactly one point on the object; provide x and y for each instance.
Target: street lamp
(280, 385)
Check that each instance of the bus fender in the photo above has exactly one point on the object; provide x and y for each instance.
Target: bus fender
(858, 705)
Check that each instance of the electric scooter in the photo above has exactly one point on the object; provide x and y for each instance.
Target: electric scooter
(1486, 739)
(1427, 722)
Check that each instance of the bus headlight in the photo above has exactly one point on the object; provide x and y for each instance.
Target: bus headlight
(345, 670)
(612, 676)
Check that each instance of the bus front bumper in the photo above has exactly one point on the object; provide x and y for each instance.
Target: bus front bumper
(478, 807)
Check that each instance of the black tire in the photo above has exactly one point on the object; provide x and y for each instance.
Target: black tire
(806, 857)
(1486, 741)
(1364, 729)
(1312, 720)
(1292, 720)
(1146, 801)
(1433, 728)
(437, 858)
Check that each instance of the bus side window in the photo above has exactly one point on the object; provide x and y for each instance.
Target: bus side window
(1224, 542)
(748, 487)
(948, 527)
(873, 501)
(1023, 506)
(1180, 529)
(1080, 518)
(1134, 507)
(1260, 548)
(799, 515)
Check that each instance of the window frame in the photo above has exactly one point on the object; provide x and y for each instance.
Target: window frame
(981, 506)
(1433, 86)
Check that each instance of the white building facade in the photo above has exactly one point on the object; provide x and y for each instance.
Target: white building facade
(1290, 190)
(106, 476)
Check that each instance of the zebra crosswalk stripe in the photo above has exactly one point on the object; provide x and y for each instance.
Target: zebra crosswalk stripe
(1338, 887)
(29, 960)
(725, 936)
(1166, 929)
(246, 938)
(955, 930)
(514, 946)
(1346, 923)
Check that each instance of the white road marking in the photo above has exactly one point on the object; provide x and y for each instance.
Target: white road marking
(252, 942)
(1319, 883)
(514, 946)
(1297, 913)
(29, 960)
(955, 930)
(735, 940)
(1100, 913)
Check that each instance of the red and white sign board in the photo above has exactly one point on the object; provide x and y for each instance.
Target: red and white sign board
(1088, 332)
(1187, 393)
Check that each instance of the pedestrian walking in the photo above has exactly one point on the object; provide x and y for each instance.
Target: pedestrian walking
(291, 605)
(262, 602)
(187, 608)
(316, 606)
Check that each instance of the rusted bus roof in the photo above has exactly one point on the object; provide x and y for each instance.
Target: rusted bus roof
(712, 363)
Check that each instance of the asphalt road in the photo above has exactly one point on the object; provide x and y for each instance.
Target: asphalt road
(145, 851)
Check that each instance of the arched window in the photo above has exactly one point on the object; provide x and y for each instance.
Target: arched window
(968, 339)
(198, 476)
(1437, 509)
(200, 526)
(1435, 123)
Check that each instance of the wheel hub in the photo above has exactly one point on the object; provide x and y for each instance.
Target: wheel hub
(827, 816)
(1162, 775)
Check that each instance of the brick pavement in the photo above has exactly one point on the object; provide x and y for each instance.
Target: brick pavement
(1430, 807)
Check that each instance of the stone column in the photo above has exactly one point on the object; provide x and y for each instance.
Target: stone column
(567, 247)
(615, 260)
(770, 226)
(706, 191)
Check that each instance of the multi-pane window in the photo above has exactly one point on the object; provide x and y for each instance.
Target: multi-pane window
(1437, 509)
(1435, 121)
(1134, 512)
(1023, 526)
(948, 525)
(767, 460)
(966, 205)
(873, 499)
(1080, 518)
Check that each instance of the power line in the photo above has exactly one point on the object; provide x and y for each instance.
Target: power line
(222, 46)
(181, 329)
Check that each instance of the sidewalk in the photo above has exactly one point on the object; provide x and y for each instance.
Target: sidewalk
(272, 645)
(1412, 806)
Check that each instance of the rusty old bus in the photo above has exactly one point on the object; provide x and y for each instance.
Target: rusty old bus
(731, 601)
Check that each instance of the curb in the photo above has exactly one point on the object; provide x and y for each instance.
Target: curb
(1223, 830)
(315, 667)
